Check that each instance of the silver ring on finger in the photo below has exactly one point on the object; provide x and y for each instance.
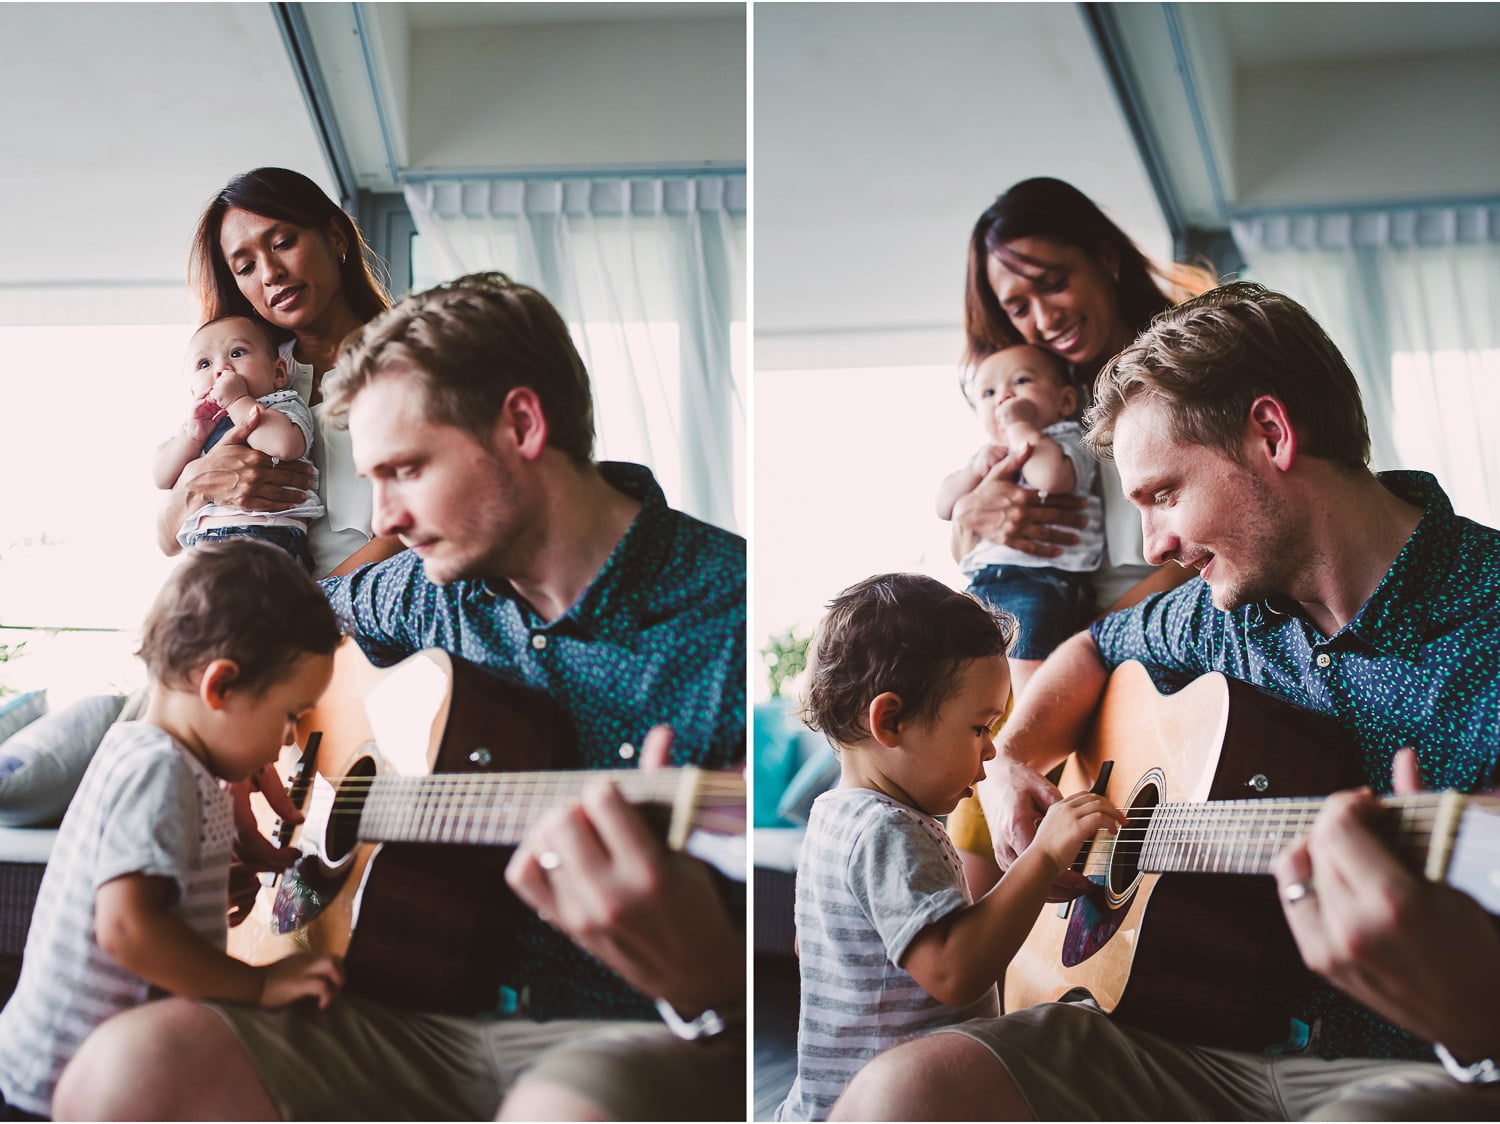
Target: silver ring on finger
(1297, 891)
(549, 860)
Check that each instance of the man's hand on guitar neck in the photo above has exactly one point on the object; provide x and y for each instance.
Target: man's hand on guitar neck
(253, 851)
(1423, 955)
(595, 872)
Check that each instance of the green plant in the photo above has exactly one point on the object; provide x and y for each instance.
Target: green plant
(785, 657)
(9, 652)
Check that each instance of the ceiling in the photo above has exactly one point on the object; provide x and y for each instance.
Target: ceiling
(121, 120)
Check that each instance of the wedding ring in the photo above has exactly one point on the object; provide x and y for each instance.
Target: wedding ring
(275, 461)
(1041, 495)
(549, 860)
(1297, 891)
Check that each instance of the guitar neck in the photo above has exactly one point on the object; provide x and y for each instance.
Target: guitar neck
(1446, 836)
(499, 808)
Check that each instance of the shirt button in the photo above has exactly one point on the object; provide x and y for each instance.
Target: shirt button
(1324, 659)
(627, 751)
(539, 642)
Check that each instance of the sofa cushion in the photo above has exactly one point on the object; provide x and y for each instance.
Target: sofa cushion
(50, 756)
(19, 712)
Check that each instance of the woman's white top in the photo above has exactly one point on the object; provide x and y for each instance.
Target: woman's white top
(1124, 561)
(345, 495)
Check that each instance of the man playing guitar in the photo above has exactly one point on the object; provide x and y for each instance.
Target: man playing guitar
(470, 411)
(1239, 434)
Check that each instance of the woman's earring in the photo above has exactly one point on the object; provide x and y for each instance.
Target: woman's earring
(343, 257)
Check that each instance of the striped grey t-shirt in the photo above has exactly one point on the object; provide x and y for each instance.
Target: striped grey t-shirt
(872, 875)
(146, 806)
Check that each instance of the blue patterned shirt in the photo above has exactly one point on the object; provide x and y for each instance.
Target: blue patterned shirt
(1418, 665)
(657, 637)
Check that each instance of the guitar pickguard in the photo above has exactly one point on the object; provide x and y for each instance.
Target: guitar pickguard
(1091, 923)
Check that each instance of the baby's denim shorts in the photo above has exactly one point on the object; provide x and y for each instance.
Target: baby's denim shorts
(1049, 605)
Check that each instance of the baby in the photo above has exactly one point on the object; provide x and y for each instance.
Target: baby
(1023, 396)
(909, 682)
(234, 375)
(238, 644)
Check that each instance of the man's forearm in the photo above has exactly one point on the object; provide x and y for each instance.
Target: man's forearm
(1061, 697)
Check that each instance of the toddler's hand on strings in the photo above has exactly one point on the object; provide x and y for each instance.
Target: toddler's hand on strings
(1072, 822)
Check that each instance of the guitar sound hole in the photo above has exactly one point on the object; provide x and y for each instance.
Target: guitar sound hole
(348, 803)
(1125, 857)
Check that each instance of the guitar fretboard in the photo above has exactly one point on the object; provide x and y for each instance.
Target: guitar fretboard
(1245, 836)
(498, 809)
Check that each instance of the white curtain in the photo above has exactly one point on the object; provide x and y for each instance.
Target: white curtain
(650, 276)
(1412, 298)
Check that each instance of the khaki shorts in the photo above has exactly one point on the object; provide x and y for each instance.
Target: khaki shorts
(1072, 1062)
(968, 829)
(359, 1060)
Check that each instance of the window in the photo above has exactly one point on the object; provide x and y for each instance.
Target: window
(847, 464)
(1443, 402)
(85, 408)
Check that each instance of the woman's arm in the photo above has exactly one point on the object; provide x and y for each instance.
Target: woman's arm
(1160, 580)
(377, 549)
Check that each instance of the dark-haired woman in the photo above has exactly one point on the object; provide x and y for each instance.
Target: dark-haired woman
(273, 245)
(1048, 267)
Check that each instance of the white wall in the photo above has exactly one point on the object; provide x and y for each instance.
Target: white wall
(882, 131)
(119, 121)
(1369, 130)
(661, 92)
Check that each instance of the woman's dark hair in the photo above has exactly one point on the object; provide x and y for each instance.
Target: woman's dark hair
(1057, 211)
(283, 196)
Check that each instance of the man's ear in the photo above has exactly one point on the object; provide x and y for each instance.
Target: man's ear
(522, 422)
(1269, 433)
(218, 678)
(884, 719)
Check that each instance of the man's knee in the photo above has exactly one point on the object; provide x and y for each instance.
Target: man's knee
(152, 1063)
(939, 1077)
(546, 1100)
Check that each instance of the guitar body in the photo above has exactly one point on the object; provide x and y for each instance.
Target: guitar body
(1203, 958)
(419, 925)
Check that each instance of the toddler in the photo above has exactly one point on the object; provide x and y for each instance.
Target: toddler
(909, 682)
(238, 645)
(234, 370)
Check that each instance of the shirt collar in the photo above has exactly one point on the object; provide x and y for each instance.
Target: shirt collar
(611, 604)
(1394, 617)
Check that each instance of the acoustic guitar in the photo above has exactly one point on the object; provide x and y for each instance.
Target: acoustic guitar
(415, 781)
(1183, 934)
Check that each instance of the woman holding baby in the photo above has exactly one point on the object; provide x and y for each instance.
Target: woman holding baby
(271, 244)
(1047, 267)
